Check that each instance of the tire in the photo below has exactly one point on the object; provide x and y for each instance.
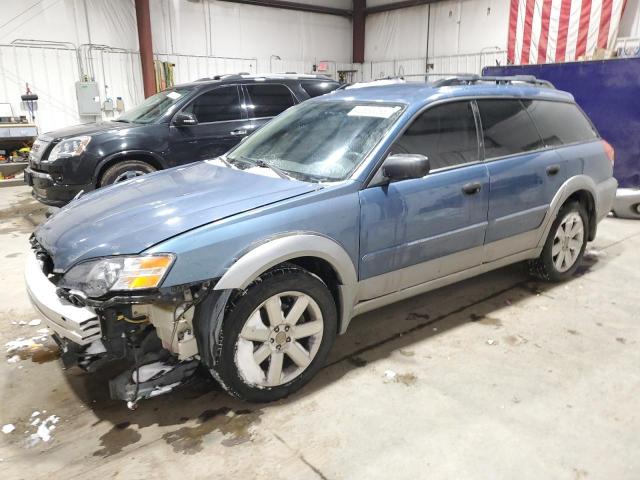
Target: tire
(565, 244)
(125, 170)
(253, 346)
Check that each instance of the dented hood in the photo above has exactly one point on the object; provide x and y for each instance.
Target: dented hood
(130, 217)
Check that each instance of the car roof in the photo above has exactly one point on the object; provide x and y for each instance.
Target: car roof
(258, 78)
(422, 93)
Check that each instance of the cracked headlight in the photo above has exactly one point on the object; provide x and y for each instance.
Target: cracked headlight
(71, 147)
(126, 273)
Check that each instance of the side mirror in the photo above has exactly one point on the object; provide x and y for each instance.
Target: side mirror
(185, 119)
(402, 166)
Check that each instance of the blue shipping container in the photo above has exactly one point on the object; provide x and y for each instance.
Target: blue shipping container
(609, 92)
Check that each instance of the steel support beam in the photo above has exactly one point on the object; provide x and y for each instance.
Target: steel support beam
(302, 7)
(143, 20)
(358, 22)
(398, 5)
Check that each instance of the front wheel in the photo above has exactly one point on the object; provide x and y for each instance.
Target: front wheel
(565, 245)
(125, 170)
(277, 335)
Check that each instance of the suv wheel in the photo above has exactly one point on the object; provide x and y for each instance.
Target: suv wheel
(276, 335)
(565, 244)
(125, 170)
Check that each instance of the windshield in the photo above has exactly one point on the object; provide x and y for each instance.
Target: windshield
(153, 107)
(318, 141)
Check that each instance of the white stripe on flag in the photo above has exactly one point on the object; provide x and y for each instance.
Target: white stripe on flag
(574, 25)
(554, 22)
(535, 31)
(594, 27)
(614, 25)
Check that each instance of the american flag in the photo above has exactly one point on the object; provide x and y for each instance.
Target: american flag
(545, 31)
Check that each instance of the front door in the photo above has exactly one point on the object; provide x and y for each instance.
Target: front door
(524, 176)
(222, 123)
(413, 231)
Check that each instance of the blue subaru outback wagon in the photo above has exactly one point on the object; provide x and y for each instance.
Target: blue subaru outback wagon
(251, 263)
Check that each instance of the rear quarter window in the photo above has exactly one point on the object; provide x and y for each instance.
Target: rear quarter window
(507, 128)
(315, 89)
(268, 100)
(560, 123)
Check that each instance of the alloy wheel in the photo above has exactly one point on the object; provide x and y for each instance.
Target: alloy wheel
(279, 339)
(129, 174)
(567, 242)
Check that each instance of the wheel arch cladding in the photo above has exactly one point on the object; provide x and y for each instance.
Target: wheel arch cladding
(122, 157)
(585, 198)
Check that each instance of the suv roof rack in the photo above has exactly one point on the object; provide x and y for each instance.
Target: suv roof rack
(247, 75)
(473, 79)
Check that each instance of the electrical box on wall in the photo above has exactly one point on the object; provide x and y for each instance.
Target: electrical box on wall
(88, 98)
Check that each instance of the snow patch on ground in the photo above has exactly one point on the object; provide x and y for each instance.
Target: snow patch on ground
(22, 343)
(8, 428)
(13, 359)
(45, 429)
(35, 322)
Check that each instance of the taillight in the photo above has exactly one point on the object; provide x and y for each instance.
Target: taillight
(609, 151)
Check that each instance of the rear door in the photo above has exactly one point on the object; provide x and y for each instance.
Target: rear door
(524, 175)
(263, 101)
(416, 230)
(221, 124)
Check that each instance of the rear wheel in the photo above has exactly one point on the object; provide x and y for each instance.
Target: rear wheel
(125, 170)
(277, 335)
(565, 245)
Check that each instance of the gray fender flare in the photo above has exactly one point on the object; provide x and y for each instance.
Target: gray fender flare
(568, 188)
(275, 251)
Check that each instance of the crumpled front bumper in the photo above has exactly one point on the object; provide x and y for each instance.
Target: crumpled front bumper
(77, 324)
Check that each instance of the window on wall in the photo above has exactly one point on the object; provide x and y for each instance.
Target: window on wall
(560, 123)
(268, 100)
(217, 105)
(507, 128)
(446, 134)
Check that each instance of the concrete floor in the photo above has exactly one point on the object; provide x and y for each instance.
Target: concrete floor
(498, 377)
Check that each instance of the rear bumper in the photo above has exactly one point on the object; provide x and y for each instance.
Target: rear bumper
(627, 203)
(606, 193)
(79, 325)
(48, 191)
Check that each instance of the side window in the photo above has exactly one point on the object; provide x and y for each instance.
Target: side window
(217, 105)
(560, 123)
(315, 89)
(446, 134)
(268, 100)
(507, 128)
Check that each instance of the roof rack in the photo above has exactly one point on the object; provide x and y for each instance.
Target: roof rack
(473, 79)
(246, 75)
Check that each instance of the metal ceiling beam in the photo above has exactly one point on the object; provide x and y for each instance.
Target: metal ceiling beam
(398, 5)
(302, 7)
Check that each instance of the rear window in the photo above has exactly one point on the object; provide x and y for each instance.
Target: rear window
(507, 128)
(560, 123)
(315, 89)
(268, 100)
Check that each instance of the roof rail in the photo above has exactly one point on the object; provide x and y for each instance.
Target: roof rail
(473, 79)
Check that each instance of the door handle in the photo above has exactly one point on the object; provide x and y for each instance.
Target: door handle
(553, 169)
(239, 131)
(471, 188)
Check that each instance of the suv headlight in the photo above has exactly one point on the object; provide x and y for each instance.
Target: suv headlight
(71, 147)
(126, 273)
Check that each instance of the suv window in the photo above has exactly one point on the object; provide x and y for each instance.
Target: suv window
(559, 122)
(507, 128)
(446, 134)
(217, 105)
(268, 100)
(315, 89)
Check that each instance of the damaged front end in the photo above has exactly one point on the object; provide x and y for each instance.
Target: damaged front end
(150, 330)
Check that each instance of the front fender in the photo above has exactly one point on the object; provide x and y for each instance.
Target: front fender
(158, 159)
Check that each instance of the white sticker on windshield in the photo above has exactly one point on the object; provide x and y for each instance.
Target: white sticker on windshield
(174, 95)
(372, 111)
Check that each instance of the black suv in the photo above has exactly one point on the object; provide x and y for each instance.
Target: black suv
(180, 125)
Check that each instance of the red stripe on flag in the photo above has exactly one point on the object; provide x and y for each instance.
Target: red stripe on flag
(583, 28)
(563, 30)
(544, 31)
(513, 25)
(605, 22)
(526, 35)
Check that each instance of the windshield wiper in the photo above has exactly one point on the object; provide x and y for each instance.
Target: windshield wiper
(122, 120)
(258, 162)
